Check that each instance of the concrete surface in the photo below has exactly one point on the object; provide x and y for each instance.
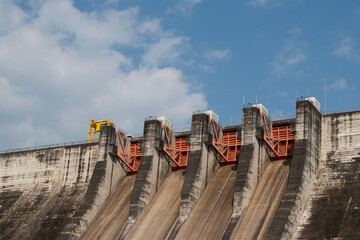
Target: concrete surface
(333, 209)
(253, 159)
(303, 169)
(113, 215)
(41, 190)
(153, 169)
(210, 215)
(107, 173)
(162, 211)
(57, 192)
(255, 221)
(202, 163)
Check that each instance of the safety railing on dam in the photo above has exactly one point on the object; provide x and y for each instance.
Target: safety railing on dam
(46, 146)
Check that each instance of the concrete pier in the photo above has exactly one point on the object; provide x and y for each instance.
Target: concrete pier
(201, 165)
(303, 169)
(253, 160)
(153, 169)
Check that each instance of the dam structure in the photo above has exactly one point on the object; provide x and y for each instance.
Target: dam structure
(296, 178)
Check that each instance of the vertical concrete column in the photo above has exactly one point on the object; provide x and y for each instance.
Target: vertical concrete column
(153, 169)
(202, 163)
(106, 174)
(253, 158)
(303, 168)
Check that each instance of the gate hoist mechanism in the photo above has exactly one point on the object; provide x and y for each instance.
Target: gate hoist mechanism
(94, 129)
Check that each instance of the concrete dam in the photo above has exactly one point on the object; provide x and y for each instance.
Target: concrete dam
(295, 178)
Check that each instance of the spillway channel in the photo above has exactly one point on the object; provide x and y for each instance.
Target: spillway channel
(256, 220)
(209, 217)
(112, 217)
(162, 211)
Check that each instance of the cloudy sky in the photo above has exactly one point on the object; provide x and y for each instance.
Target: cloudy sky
(63, 63)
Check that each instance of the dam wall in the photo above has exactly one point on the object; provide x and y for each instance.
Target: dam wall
(303, 168)
(82, 191)
(107, 173)
(56, 192)
(40, 190)
(333, 209)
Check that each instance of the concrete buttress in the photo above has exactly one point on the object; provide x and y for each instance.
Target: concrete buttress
(153, 169)
(253, 160)
(201, 165)
(303, 169)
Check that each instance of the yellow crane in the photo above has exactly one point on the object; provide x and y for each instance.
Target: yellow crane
(94, 129)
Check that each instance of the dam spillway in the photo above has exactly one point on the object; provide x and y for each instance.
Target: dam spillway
(273, 191)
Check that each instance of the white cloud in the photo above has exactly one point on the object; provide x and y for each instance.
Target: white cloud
(66, 65)
(288, 58)
(13, 100)
(258, 3)
(217, 55)
(166, 51)
(184, 6)
(340, 84)
(151, 26)
(346, 48)
(11, 16)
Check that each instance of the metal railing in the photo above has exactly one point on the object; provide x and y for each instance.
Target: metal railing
(46, 146)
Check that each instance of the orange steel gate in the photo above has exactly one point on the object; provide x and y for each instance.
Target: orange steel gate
(228, 148)
(280, 141)
(178, 155)
(131, 160)
(284, 144)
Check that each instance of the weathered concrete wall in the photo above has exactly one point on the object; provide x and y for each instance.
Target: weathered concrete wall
(55, 193)
(253, 159)
(303, 168)
(201, 165)
(106, 175)
(202, 162)
(333, 209)
(153, 169)
(41, 190)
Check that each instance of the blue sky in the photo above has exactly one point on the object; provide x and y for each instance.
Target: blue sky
(63, 63)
